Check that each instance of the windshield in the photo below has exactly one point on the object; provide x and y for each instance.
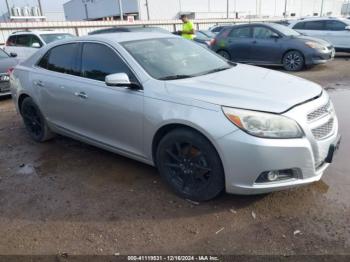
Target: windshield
(3, 54)
(174, 58)
(48, 38)
(285, 30)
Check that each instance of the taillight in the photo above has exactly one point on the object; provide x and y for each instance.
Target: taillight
(10, 70)
(212, 42)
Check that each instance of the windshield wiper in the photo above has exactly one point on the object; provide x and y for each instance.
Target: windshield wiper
(174, 77)
(216, 70)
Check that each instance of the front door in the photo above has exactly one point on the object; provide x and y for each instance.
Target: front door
(266, 46)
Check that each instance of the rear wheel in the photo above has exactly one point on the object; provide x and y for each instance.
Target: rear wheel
(293, 61)
(34, 121)
(190, 165)
(224, 54)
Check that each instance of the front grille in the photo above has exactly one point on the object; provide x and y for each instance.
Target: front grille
(323, 131)
(320, 112)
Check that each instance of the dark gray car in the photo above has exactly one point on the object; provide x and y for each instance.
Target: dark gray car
(271, 44)
(6, 62)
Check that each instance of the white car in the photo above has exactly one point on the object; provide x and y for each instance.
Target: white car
(334, 30)
(26, 43)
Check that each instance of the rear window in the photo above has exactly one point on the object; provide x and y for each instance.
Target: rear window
(244, 32)
(48, 38)
(11, 41)
(62, 59)
(314, 25)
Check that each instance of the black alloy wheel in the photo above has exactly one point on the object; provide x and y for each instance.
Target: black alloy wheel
(190, 165)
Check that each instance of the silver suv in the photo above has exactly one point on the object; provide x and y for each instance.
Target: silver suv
(207, 124)
(26, 43)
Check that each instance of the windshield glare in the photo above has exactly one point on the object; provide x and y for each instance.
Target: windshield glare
(48, 38)
(166, 57)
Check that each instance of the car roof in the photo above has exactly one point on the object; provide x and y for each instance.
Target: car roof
(307, 19)
(125, 36)
(38, 32)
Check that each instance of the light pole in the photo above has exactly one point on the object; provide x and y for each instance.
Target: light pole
(147, 9)
(322, 8)
(121, 10)
(285, 8)
(227, 8)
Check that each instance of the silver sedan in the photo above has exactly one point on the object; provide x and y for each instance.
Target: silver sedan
(207, 124)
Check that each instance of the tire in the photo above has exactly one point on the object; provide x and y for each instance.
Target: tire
(224, 54)
(190, 165)
(34, 121)
(293, 61)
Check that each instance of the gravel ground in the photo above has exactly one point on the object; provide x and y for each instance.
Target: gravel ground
(67, 197)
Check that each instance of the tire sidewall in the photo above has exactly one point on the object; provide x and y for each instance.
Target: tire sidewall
(29, 102)
(216, 181)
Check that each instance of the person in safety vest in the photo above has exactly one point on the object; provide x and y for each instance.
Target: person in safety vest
(187, 28)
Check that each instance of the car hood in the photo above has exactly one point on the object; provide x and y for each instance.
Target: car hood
(313, 39)
(247, 87)
(6, 63)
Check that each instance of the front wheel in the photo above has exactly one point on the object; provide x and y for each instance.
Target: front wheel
(293, 61)
(190, 165)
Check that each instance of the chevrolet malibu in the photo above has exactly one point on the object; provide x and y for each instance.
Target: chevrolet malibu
(207, 124)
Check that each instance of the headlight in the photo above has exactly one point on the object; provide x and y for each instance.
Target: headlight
(263, 124)
(315, 45)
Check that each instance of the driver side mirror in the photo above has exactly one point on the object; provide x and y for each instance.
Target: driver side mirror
(36, 45)
(121, 80)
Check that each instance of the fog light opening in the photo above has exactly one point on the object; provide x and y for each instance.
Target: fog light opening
(272, 176)
(277, 175)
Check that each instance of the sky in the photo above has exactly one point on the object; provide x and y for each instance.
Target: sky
(53, 9)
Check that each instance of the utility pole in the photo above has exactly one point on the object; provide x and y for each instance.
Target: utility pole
(8, 9)
(227, 9)
(147, 9)
(322, 8)
(121, 10)
(285, 8)
(40, 8)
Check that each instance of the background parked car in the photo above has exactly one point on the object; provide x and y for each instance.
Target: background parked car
(334, 30)
(204, 37)
(120, 29)
(7, 61)
(271, 44)
(26, 43)
(217, 29)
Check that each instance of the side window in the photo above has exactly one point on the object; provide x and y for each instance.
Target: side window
(314, 25)
(98, 61)
(62, 59)
(243, 32)
(262, 33)
(11, 41)
(35, 39)
(299, 26)
(23, 40)
(333, 25)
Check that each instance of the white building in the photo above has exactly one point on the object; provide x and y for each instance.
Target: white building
(199, 9)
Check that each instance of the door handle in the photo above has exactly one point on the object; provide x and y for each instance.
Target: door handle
(39, 83)
(82, 95)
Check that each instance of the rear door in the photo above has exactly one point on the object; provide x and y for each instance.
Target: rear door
(239, 43)
(55, 82)
(336, 34)
(265, 47)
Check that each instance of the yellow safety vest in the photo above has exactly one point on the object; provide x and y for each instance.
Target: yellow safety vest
(186, 27)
